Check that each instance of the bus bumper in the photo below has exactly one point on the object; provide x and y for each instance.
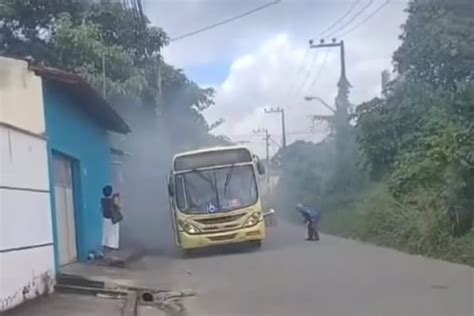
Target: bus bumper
(254, 233)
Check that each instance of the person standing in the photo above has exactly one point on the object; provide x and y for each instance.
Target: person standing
(111, 211)
(311, 217)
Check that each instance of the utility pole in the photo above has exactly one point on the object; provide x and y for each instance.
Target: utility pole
(341, 112)
(281, 111)
(343, 83)
(159, 85)
(267, 148)
(267, 141)
(104, 81)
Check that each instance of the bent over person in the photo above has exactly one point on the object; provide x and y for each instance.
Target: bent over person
(311, 217)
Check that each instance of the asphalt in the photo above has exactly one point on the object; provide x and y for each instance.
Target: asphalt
(291, 276)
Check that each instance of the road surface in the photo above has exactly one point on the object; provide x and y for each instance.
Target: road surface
(290, 276)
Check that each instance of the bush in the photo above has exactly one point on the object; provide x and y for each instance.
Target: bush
(420, 223)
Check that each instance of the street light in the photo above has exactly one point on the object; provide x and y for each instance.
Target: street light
(311, 98)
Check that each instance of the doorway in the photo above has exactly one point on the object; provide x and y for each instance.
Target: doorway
(65, 209)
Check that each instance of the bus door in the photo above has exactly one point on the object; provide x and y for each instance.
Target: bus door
(171, 196)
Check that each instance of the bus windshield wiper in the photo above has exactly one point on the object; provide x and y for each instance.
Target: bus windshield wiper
(211, 182)
(228, 177)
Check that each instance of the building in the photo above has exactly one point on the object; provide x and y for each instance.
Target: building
(55, 159)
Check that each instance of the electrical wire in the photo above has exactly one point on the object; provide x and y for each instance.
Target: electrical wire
(315, 79)
(308, 74)
(274, 134)
(364, 8)
(340, 19)
(300, 68)
(363, 21)
(212, 26)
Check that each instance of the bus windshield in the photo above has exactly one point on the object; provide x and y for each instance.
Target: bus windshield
(216, 190)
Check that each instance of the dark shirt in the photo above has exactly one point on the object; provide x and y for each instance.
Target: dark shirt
(107, 204)
(311, 215)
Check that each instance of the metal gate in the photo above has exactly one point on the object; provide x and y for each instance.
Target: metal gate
(65, 211)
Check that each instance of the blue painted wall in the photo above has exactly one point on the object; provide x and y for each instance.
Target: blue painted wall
(71, 132)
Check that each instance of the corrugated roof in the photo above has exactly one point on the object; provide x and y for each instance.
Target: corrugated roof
(91, 102)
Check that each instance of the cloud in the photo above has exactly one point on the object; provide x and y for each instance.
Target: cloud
(262, 80)
(269, 61)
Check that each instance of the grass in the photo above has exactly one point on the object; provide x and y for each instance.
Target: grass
(418, 226)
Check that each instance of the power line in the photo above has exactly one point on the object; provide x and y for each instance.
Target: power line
(366, 19)
(275, 134)
(352, 7)
(209, 27)
(315, 79)
(340, 19)
(299, 69)
(353, 18)
(308, 73)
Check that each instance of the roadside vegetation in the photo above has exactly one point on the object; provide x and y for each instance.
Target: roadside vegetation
(408, 181)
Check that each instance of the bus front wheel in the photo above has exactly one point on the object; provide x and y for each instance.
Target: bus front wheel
(256, 244)
(187, 253)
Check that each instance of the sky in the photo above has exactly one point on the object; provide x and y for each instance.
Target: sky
(263, 60)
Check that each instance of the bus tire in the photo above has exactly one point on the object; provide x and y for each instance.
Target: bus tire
(256, 244)
(186, 253)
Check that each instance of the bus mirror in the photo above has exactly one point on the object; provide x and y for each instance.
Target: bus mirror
(260, 167)
(170, 188)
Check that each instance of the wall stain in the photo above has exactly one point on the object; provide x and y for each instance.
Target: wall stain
(39, 285)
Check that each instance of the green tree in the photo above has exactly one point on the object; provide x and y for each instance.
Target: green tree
(437, 42)
(83, 36)
(419, 135)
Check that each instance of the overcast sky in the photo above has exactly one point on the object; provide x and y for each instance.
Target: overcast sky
(263, 60)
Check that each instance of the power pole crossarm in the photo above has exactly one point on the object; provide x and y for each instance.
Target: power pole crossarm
(322, 44)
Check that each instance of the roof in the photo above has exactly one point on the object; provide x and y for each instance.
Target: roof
(91, 102)
(208, 149)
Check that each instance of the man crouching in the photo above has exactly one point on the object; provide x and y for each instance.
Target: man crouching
(311, 217)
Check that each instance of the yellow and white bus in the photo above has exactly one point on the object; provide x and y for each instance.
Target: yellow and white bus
(214, 197)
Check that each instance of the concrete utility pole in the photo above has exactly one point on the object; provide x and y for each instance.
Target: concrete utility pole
(267, 141)
(341, 112)
(283, 130)
(104, 79)
(267, 148)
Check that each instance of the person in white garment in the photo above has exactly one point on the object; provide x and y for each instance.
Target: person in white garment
(110, 204)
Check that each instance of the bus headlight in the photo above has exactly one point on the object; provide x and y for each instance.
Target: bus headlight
(188, 227)
(253, 220)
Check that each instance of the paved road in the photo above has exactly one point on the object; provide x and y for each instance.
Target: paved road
(290, 276)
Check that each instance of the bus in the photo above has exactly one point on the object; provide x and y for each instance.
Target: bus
(215, 199)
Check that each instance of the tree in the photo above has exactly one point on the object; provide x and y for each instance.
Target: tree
(438, 43)
(84, 36)
(27, 26)
(419, 136)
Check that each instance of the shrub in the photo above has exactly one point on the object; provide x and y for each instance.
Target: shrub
(420, 223)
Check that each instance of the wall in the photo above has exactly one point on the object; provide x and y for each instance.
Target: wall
(73, 133)
(26, 242)
(21, 96)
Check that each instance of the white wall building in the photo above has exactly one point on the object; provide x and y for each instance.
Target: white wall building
(27, 266)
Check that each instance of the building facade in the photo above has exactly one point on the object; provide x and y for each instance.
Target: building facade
(55, 159)
(26, 238)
